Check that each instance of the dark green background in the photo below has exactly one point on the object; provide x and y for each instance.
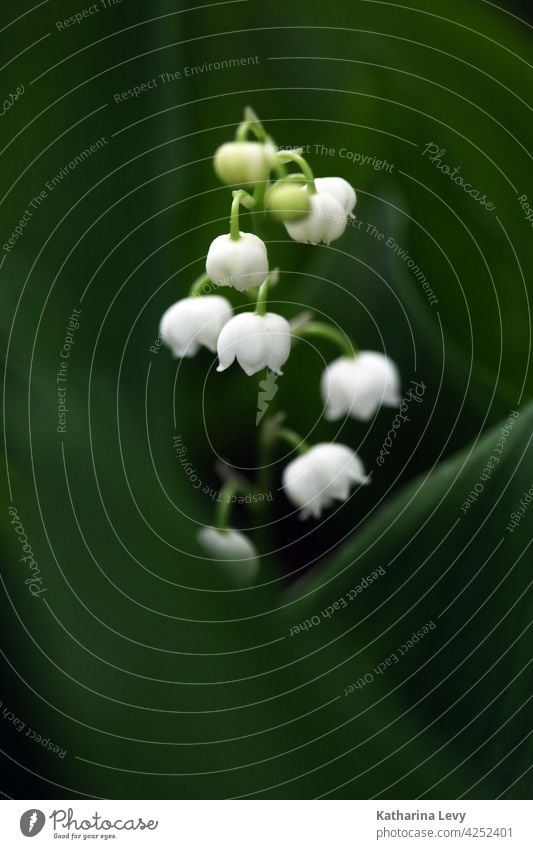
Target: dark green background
(158, 678)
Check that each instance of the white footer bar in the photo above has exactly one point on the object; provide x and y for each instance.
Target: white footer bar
(267, 824)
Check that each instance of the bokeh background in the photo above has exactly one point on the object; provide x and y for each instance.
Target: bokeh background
(142, 662)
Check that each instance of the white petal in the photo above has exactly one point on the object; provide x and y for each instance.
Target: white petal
(228, 340)
(192, 322)
(360, 385)
(213, 312)
(325, 472)
(325, 223)
(256, 341)
(279, 332)
(241, 263)
(340, 189)
(336, 386)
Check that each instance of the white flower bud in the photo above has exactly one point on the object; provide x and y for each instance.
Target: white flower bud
(325, 472)
(325, 223)
(257, 341)
(241, 263)
(340, 189)
(359, 385)
(243, 163)
(193, 322)
(234, 549)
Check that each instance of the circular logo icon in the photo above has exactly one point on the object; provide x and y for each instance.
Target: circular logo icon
(32, 822)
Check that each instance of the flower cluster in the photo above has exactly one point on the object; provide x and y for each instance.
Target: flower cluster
(313, 210)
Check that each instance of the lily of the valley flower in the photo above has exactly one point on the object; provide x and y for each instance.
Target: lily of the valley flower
(192, 322)
(340, 189)
(325, 223)
(323, 473)
(241, 163)
(234, 549)
(358, 386)
(257, 341)
(239, 262)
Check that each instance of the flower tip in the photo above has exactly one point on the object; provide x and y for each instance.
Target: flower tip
(250, 370)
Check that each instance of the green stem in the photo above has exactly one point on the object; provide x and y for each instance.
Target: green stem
(259, 195)
(326, 331)
(259, 205)
(223, 510)
(250, 124)
(266, 438)
(234, 216)
(293, 439)
(241, 133)
(198, 286)
(304, 167)
(262, 298)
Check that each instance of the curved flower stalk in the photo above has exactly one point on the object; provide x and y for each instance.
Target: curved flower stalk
(235, 551)
(282, 185)
(237, 259)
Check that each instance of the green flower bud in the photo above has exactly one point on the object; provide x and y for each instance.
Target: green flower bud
(288, 200)
(242, 163)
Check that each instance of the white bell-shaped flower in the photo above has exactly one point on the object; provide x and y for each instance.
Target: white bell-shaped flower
(241, 263)
(193, 322)
(341, 190)
(257, 341)
(240, 163)
(325, 223)
(358, 386)
(325, 472)
(234, 550)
